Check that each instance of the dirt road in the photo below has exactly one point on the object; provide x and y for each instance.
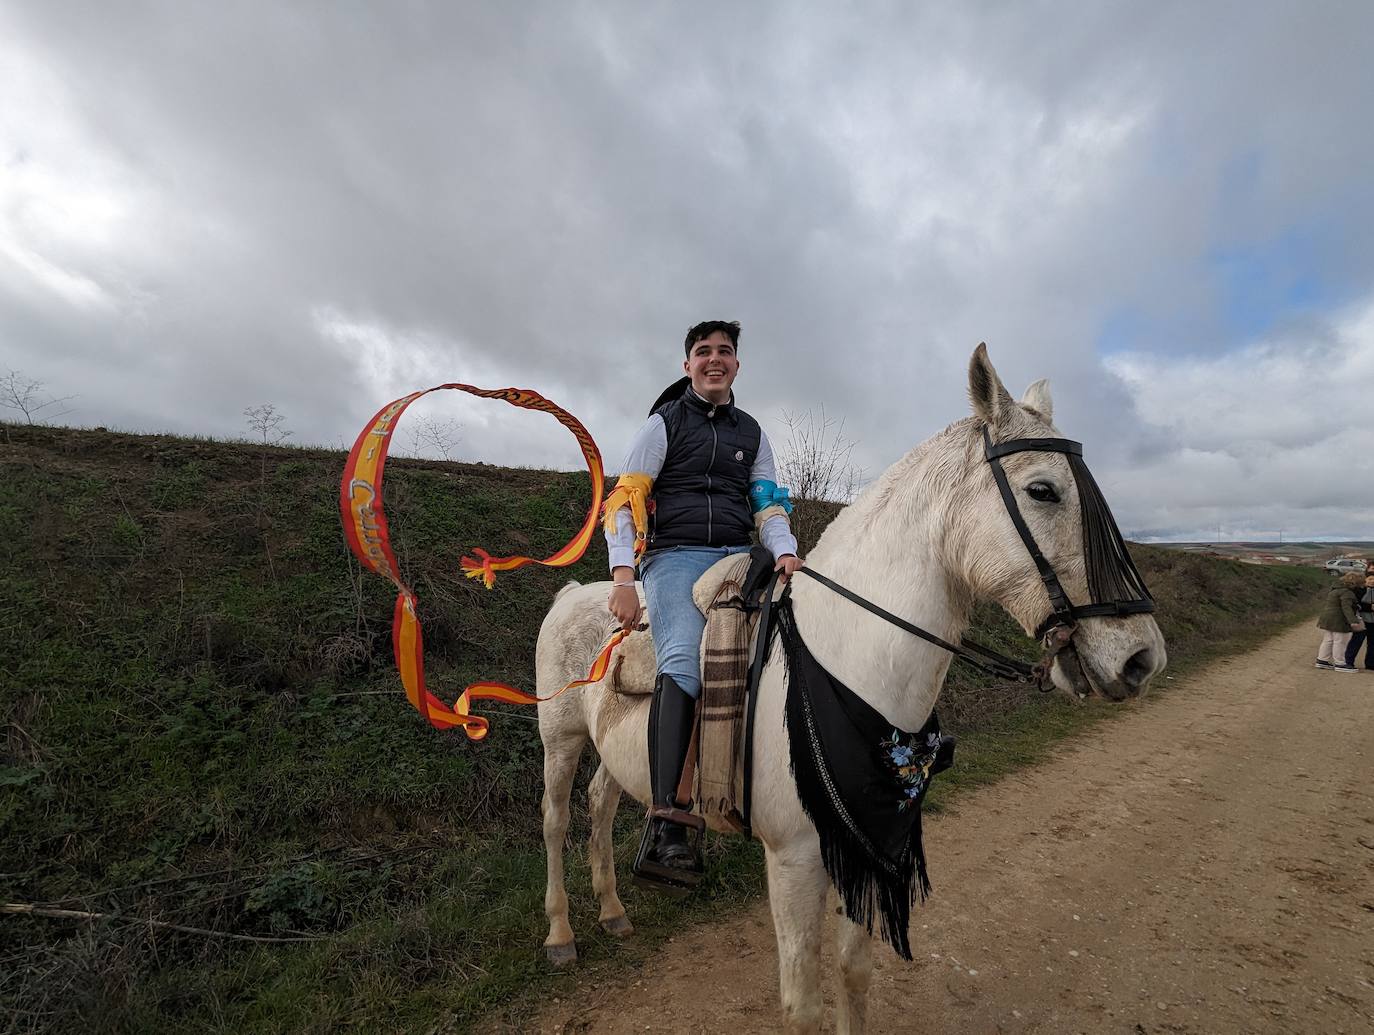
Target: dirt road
(1203, 865)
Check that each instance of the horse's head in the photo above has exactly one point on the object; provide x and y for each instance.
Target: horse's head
(1113, 656)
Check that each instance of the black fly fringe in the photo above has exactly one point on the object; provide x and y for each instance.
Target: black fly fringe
(1112, 575)
(874, 887)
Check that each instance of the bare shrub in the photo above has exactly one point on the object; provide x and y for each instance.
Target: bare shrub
(815, 464)
(429, 435)
(25, 395)
(341, 654)
(266, 424)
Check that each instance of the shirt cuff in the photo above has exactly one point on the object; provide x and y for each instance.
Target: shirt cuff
(622, 557)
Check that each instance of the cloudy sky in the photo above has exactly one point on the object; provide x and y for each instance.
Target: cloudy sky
(1165, 208)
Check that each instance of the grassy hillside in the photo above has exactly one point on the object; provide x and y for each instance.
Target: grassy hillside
(202, 727)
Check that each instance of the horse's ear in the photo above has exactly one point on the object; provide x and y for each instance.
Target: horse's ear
(1037, 397)
(985, 389)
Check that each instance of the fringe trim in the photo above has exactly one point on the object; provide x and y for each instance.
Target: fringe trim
(1112, 575)
(874, 888)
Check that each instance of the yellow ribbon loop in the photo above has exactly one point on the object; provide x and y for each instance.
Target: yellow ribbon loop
(365, 527)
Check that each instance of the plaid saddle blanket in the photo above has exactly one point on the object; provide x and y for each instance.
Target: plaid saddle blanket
(724, 672)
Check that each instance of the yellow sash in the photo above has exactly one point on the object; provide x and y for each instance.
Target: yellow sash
(631, 490)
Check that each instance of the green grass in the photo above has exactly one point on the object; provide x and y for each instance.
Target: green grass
(203, 726)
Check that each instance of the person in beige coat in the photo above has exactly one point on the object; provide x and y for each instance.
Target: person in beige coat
(1337, 622)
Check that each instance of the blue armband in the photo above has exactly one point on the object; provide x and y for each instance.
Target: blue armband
(764, 494)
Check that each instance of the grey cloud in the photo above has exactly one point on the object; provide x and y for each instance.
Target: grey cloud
(554, 192)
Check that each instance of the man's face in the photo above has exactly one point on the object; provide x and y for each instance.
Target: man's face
(712, 366)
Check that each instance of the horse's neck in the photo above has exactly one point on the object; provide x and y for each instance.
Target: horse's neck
(888, 548)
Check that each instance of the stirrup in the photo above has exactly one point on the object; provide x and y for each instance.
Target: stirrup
(676, 881)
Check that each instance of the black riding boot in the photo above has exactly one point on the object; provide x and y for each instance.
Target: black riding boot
(671, 718)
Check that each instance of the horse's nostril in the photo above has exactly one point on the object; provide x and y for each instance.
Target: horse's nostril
(1139, 667)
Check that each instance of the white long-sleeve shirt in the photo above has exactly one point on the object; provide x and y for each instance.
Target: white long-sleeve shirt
(646, 455)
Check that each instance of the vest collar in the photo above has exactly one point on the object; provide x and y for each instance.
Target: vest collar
(725, 409)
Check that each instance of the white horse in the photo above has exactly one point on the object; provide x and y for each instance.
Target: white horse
(925, 541)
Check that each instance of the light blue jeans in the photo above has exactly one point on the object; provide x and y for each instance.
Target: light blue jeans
(668, 576)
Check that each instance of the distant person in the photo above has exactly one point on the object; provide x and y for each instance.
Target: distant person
(1338, 622)
(1364, 611)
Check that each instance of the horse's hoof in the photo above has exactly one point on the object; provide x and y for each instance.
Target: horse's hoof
(560, 956)
(618, 926)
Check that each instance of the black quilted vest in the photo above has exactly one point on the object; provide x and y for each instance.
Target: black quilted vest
(701, 497)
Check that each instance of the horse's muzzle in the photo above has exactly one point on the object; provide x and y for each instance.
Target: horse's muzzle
(1115, 659)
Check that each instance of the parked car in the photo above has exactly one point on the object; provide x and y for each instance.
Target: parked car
(1341, 565)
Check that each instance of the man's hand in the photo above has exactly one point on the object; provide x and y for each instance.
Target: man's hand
(787, 564)
(624, 605)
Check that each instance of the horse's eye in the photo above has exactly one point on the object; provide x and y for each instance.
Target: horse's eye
(1042, 491)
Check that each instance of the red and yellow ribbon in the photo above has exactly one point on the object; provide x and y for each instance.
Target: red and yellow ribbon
(364, 521)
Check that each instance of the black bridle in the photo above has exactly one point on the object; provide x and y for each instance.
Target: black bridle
(1111, 572)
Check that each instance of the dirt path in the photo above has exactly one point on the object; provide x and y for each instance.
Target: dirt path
(1206, 864)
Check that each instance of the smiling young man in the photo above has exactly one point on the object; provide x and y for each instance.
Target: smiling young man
(698, 479)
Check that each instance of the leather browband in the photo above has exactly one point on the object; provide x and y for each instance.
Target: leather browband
(1030, 445)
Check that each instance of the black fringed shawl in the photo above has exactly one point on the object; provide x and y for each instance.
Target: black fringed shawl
(861, 783)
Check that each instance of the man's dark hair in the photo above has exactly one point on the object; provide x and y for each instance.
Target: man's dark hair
(729, 328)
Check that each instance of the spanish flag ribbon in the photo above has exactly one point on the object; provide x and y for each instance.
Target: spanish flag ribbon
(365, 526)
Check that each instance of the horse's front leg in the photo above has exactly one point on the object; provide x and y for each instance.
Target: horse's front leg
(561, 753)
(604, 795)
(796, 893)
(854, 953)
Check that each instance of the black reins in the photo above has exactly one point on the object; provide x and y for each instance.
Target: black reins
(977, 655)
